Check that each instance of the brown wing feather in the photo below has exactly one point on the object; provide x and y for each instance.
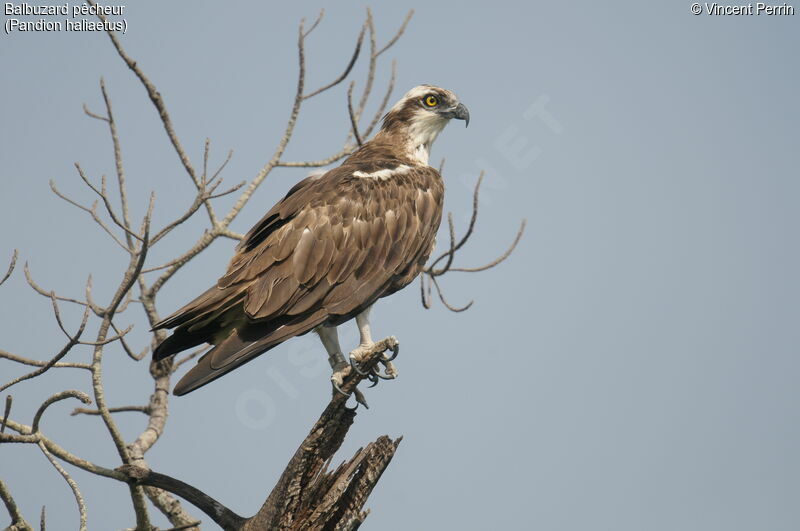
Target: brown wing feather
(330, 248)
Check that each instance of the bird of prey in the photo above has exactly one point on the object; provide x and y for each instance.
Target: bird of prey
(335, 244)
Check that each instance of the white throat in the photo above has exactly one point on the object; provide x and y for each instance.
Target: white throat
(422, 131)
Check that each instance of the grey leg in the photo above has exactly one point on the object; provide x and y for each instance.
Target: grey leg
(330, 340)
(365, 344)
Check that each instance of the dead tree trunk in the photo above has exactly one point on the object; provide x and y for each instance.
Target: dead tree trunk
(308, 495)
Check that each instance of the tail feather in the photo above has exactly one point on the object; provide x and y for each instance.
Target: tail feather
(234, 351)
(180, 340)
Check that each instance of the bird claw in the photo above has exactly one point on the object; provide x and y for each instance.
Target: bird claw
(374, 375)
(394, 346)
(338, 388)
(390, 372)
(354, 365)
(360, 399)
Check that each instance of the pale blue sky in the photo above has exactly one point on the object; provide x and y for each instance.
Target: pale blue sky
(633, 366)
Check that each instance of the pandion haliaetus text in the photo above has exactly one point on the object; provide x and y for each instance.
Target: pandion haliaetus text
(335, 244)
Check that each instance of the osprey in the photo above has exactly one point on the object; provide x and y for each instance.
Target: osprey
(335, 244)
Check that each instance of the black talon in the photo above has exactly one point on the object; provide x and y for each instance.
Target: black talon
(384, 377)
(395, 351)
(354, 365)
(336, 386)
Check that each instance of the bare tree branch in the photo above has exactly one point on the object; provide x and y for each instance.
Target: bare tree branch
(123, 194)
(307, 496)
(315, 24)
(347, 69)
(46, 293)
(26, 435)
(397, 35)
(500, 258)
(37, 363)
(125, 346)
(385, 102)
(155, 97)
(188, 357)
(63, 352)
(432, 272)
(470, 228)
(6, 412)
(72, 485)
(93, 213)
(18, 522)
(103, 194)
(221, 515)
(444, 301)
(353, 119)
(63, 395)
(85, 411)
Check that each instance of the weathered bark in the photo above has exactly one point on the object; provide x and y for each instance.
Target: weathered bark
(308, 496)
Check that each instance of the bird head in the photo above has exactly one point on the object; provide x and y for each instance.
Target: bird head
(421, 115)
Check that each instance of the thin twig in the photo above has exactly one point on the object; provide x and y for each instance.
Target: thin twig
(72, 485)
(36, 363)
(188, 357)
(6, 412)
(353, 119)
(121, 409)
(155, 97)
(27, 436)
(424, 295)
(63, 395)
(18, 522)
(93, 213)
(345, 151)
(397, 35)
(125, 346)
(315, 24)
(499, 259)
(347, 69)
(10, 266)
(96, 116)
(373, 61)
(63, 352)
(123, 194)
(452, 252)
(96, 308)
(467, 234)
(41, 291)
(444, 301)
(385, 102)
(103, 194)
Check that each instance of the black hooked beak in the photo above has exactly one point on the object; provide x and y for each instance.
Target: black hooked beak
(459, 112)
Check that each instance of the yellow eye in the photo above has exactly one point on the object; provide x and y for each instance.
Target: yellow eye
(431, 101)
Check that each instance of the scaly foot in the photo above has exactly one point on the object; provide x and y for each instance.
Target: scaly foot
(362, 352)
